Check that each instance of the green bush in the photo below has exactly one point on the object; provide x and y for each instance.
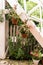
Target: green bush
(18, 50)
(15, 50)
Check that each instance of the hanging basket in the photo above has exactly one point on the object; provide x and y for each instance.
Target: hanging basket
(14, 21)
(24, 35)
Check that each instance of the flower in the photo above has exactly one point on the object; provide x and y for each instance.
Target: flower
(36, 54)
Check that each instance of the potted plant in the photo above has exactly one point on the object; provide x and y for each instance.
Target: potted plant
(14, 21)
(12, 16)
(36, 55)
(23, 31)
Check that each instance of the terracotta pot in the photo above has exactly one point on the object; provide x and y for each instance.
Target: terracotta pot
(24, 35)
(14, 21)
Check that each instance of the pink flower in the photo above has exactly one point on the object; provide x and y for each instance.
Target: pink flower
(34, 54)
(31, 52)
(17, 32)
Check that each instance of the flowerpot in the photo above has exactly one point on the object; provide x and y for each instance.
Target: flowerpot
(14, 21)
(24, 35)
(35, 61)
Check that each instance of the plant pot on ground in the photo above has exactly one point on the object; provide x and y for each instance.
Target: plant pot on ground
(35, 62)
(36, 55)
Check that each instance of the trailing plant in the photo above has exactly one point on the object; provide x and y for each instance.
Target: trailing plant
(24, 29)
(13, 15)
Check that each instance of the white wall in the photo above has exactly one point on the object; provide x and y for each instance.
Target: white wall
(2, 32)
(2, 40)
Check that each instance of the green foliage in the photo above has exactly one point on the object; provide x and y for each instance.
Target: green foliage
(11, 14)
(30, 5)
(23, 29)
(18, 50)
(7, 6)
(1, 17)
(11, 48)
(36, 13)
(15, 50)
(21, 2)
(19, 22)
(20, 53)
(36, 54)
(15, 16)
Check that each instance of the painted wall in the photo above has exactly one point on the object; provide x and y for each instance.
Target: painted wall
(2, 40)
(2, 32)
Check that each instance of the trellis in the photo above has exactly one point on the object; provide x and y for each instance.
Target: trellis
(40, 6)
(24, 17)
